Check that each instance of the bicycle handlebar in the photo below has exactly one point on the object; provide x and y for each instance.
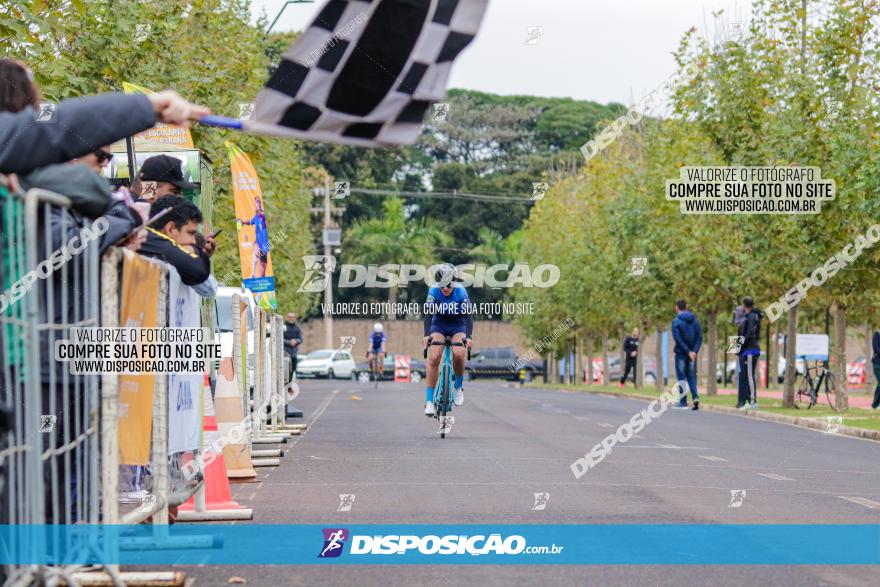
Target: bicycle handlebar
(444, 343)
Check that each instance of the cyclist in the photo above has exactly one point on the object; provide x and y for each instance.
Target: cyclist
(376, 354)
(447, 313)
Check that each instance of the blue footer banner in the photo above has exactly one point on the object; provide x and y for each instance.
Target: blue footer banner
(598, 544)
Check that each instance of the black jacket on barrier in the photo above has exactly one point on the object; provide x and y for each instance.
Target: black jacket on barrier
(68, 290)
(78, 127)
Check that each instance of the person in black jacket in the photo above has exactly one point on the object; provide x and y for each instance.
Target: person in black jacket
(172, 239)
(749, 353)
(631, 352)
(292, 339)
(875, 363)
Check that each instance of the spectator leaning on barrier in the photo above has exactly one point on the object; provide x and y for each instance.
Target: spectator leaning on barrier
(750, 351)
(292, 339)
(631, 352)
(172, 239)
(688, 336)
(875, 363)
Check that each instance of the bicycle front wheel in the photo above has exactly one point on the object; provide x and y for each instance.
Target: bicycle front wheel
(831, 390)
(443, 382)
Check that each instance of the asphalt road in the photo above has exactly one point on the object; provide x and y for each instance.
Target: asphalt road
(508, 444)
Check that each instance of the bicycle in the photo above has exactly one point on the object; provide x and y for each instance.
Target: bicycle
(808, 389)
(443, 389)
(375, 369)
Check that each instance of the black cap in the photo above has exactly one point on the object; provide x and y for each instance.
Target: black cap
(165, 168)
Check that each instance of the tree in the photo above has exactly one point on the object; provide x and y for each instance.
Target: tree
(377, 241)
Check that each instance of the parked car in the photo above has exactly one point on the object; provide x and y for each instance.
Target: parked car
(497, 362)
(417, 370)
(649, 370)
(223, 322)
(731, 371)
(780, 371)
(329, 363)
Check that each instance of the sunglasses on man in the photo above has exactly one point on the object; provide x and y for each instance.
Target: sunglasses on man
(103, 156)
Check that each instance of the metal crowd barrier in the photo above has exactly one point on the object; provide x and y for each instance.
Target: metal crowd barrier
(51, 456)
(60, 463)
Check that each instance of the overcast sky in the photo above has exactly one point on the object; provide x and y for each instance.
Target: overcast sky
(610, 50)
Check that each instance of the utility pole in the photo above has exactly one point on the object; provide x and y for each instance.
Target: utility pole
(328, 291)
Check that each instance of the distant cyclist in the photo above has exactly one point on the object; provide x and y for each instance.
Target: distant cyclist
(376, 354)
(447, 313)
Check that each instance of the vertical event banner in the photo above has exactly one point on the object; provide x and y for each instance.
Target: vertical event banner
(139, 309)
(184, 389)
(169, 134)
(253, 233)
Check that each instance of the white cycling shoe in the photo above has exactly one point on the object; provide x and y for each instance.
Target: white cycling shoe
(457, 395)
(429, 409)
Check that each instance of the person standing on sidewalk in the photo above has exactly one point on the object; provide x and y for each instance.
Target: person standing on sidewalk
(875, 363)
(292, 339)
(739, 315)
(750, 332)
(688, 336)
(630, 352)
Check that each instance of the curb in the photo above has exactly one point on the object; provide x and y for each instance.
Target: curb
(812, 423)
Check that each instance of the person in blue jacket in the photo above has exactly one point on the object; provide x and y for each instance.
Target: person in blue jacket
(688, 337)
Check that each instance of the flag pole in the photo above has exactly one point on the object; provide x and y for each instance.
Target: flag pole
(129, 147)
(221, 121)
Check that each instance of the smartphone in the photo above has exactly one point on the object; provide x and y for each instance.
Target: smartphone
(149, 221)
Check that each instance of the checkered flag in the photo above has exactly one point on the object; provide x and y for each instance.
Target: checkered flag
(365, 73)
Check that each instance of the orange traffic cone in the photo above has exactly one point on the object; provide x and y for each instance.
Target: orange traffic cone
(214, 500)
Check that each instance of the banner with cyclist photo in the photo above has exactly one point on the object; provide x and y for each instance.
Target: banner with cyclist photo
(253, 233)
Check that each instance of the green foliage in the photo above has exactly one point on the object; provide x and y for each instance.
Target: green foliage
(795, 90)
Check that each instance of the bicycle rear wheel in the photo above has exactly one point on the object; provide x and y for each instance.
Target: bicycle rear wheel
(802, 397)
(831, 390)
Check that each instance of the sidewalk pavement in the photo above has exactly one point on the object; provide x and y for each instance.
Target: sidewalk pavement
(857, 398)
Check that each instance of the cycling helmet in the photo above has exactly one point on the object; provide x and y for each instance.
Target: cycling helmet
(446, 274)
(377, 327)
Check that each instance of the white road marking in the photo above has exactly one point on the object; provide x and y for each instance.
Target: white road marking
(321, 408)
(605, 425)
(582, 418)
(862, 501)
(775, 476)
(666, 446)
(712, 458)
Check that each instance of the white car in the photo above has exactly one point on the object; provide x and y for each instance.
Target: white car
(223, 321)
(329, 363)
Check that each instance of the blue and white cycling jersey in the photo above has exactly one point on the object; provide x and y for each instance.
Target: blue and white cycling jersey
(456, 305)
(377, 342)
(449, 314)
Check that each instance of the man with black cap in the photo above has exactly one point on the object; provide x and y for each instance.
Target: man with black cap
(161, 175)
